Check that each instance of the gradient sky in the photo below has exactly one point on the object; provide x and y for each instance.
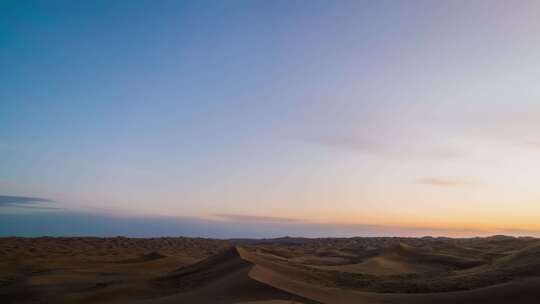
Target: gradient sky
(416, 117)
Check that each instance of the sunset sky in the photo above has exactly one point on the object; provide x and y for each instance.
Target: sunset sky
(311, 118)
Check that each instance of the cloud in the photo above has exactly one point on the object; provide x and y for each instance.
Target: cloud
(534, 144)
(450, 182)
(349, 143)
(255, 218)
(385, 148)
(24, 202)
(513, 126)
(445, 153)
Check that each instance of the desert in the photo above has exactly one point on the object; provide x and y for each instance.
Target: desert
(498, 269)
(269, 152)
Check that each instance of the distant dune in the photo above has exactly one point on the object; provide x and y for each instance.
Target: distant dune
(275, 271)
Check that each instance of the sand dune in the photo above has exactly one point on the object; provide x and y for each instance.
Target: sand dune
(525, 290)
(221, 279)
(381, 265)
(289, 270)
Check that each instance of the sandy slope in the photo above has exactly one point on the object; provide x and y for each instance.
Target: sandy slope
(182, 270)
(92, 270)
(520, 291)
(526, 291)
(382, 265)
(224, 279)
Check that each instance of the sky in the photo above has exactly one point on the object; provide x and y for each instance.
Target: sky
(269, 118)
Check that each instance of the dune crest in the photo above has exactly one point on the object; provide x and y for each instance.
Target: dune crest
(496, 270)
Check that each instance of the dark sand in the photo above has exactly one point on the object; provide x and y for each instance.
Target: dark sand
(287, 270)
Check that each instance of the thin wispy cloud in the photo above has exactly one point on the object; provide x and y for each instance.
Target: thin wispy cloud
(507, 126)
(385, 148)
(534, 144)
(448, 182)
(25, 202)
(348, 143)
(255, 218)
(445, 153)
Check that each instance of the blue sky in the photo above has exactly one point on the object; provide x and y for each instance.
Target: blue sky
(414, 114)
